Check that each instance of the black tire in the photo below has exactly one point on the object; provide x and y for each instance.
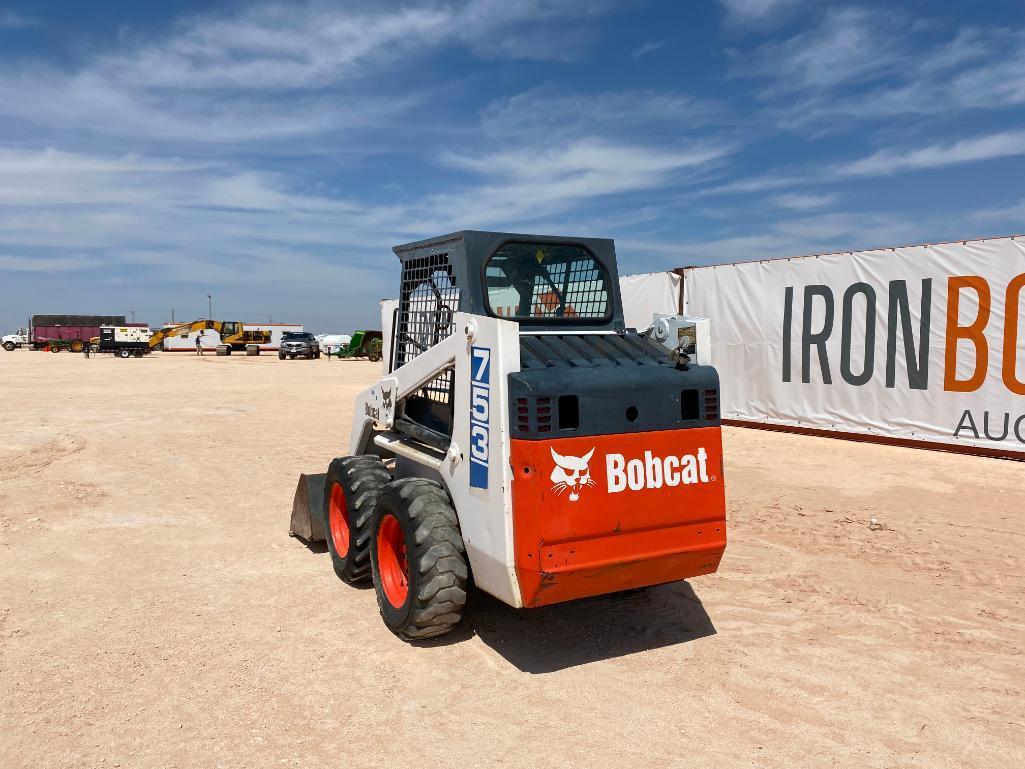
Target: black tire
(9, 346)
(316, 355)
(434, 556)
(348, 519)
(280, 356)
(124, 353)
(138, 353)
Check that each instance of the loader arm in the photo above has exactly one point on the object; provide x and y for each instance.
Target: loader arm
(231, 332)
(482, 352)
(183, 328)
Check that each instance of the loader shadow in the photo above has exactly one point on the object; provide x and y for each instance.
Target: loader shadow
(552, 638)
(313, 545)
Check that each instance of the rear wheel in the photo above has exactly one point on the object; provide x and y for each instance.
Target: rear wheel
(77, 346)
(138, 353)
(418, 559)
(351, 489)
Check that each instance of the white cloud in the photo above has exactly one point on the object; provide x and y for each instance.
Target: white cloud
(816, 234)
(649, 47)
(548, 113)
(756, 11)
(531, 182)
(976, 69)
(10, 19)
(890, 161)
(46, 264)
(798, 201)
(273, 73)
(848, 45)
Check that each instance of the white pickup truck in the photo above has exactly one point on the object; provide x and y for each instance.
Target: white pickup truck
(14, 341)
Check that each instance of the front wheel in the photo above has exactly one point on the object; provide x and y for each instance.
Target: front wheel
(9, 346)
(124, 353)
(418, 559)
(351, 489)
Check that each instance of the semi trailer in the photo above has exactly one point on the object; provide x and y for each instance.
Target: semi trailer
(523, 440)
(62, 332)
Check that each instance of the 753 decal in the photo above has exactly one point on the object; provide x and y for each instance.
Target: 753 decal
(480, 416)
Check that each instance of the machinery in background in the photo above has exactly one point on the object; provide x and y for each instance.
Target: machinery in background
(234, 335)
(63, 332)
(523, 439)
(362, 344)
(123, 341)
(13, 341)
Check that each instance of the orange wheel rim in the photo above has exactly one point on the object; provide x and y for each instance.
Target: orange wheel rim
(338, 520)
(391, 561)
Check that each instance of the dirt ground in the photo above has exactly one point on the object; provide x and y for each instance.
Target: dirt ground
(154, 612)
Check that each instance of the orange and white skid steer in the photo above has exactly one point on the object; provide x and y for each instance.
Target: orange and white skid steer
(525, 437)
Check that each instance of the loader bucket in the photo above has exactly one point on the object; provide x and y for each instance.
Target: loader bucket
(308, 508)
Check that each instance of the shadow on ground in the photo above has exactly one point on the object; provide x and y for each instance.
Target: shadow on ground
(562, 636)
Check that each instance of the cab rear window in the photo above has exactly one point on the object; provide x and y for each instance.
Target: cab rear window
(541, 281)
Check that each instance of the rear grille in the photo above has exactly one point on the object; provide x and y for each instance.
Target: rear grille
(522, 415)
(536, 410)
(544, 415)
(711, 405)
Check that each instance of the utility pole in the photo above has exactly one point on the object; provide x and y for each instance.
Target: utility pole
(172, 316)
(132, 313)
(209, 307)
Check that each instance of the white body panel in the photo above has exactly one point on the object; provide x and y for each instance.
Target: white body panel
(485, 514)
(210, 338)
(388, 308)
(19, 338)
(131, 335)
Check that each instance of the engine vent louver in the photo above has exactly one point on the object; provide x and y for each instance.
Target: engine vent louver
(522, 415)
(711, 405)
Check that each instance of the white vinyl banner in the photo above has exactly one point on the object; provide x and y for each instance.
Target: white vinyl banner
(925, 343)
(647, 294)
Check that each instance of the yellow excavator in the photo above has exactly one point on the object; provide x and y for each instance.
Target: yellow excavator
(232, 333)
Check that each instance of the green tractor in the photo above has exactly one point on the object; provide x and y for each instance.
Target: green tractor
(364, 344)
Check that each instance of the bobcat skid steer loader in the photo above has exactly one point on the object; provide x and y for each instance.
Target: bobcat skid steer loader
(524, 438)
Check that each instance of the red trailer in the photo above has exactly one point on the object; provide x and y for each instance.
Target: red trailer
(68, 332)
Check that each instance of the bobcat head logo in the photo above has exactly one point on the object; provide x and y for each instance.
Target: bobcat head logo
(571, 473)
(386, 398)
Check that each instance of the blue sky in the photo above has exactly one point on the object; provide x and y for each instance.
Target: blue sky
(271, 154)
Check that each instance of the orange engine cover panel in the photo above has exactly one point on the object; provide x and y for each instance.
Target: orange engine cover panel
(598, 514)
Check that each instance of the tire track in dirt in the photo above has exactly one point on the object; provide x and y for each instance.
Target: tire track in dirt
(41, 455)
